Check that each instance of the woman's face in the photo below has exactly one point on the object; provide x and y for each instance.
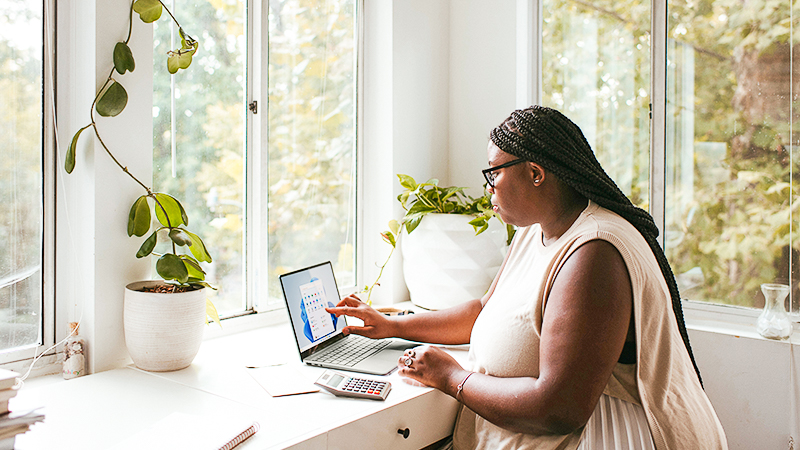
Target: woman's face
(513, 196)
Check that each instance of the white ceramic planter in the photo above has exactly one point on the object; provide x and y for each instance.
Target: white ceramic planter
(445, 264)
(163, 332)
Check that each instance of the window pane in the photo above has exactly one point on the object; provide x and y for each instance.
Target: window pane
(312, 130)
(21, 174)
(596, 70)
(731, 89)
(199, 135)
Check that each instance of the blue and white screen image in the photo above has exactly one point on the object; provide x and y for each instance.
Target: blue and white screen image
(308, 293)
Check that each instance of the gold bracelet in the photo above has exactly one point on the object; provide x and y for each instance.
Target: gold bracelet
(460, 386)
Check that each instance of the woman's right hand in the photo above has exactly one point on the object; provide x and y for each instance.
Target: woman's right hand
(376, 325)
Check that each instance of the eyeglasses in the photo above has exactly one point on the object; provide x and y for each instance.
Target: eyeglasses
(490, 175)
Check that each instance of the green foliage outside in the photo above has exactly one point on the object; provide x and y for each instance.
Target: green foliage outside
(312, 132)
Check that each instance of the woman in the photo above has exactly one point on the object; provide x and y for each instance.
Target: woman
(580, 341)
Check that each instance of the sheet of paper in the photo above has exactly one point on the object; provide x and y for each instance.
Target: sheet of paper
(282, 380)
(181, 430)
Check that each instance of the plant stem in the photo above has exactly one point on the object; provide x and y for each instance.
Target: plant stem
(109, 79)
(170, 13)
(369, 291)
(130, 23)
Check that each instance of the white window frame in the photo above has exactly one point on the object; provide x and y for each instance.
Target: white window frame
(20, 359)
(257, 136)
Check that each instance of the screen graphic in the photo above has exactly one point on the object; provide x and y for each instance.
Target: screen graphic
(308, 292)
(315, 302)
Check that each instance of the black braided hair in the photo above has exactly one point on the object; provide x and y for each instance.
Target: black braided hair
(546, 137)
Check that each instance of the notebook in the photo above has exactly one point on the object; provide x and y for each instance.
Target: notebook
(318, 333)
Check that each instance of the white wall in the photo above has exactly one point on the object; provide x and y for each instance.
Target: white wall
(405, 120)
(482, 83)
(752, 383)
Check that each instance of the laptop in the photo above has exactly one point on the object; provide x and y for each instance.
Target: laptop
(318, 333)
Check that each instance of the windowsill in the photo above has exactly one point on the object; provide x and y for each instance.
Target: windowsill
(731, 321)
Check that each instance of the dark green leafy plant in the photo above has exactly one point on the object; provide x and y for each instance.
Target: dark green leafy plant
(110, 100)
(422, 199)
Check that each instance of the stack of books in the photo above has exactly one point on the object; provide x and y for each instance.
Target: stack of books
(12, 423)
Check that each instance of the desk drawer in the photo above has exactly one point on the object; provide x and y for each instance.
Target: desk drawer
(427, 418)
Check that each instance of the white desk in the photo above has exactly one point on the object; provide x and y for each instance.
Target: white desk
(101, 410)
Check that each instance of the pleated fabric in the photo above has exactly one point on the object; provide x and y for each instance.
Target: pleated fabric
(617, 425)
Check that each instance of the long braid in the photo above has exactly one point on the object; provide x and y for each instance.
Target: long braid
(548, 138)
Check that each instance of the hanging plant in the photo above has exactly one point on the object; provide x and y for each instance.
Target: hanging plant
(182, 270)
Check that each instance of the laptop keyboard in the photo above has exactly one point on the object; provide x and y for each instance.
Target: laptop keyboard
(350, 351)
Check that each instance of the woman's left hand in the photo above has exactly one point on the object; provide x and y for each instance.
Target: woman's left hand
(429, 365)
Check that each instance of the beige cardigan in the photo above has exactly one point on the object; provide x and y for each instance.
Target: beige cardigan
(505, 340)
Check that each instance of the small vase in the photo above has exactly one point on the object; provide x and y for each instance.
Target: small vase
(774, 322)
(74, 363)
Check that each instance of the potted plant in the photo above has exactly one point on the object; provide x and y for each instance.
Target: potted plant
(455, 252)
(163, 319)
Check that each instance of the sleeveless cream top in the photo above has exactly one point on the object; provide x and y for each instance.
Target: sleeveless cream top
(505, 340)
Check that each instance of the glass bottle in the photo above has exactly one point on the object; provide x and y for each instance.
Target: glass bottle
(74, 354)
(774, 322)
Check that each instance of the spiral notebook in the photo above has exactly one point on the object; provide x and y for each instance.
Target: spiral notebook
(188, 431)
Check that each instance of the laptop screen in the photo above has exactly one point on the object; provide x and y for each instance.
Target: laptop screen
(307, 293)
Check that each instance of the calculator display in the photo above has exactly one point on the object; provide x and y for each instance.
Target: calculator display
(335, 380)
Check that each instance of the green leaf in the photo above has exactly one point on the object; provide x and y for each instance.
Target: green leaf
(69, 160)
(139, 217)
(169, 211)
(211, 311)
(123, 58)
(478, 221)
(420, 208)
(187, 42)
(112, 101)
(394, 226)
(179, 237)
(148, 245)
(193, 267)
(149, 10)
(198, 248)
(180, 59)
(407, 182)
(388, 236)
(510, 231)
(431, 182)
(449, 192)
(413, 223)
(171, 267)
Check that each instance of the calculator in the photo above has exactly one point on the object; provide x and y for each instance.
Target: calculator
(348, 386)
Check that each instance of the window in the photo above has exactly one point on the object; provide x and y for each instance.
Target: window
(596, 69)
(22, 151)
(729, 130)
(731, 96)
(292, 192)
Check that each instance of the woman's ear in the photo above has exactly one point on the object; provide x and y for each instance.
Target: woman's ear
(537, 173)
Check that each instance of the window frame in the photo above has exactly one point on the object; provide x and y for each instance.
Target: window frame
(262, 313)
(20, 358)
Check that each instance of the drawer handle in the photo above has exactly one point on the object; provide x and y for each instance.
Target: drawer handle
(405, 432)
